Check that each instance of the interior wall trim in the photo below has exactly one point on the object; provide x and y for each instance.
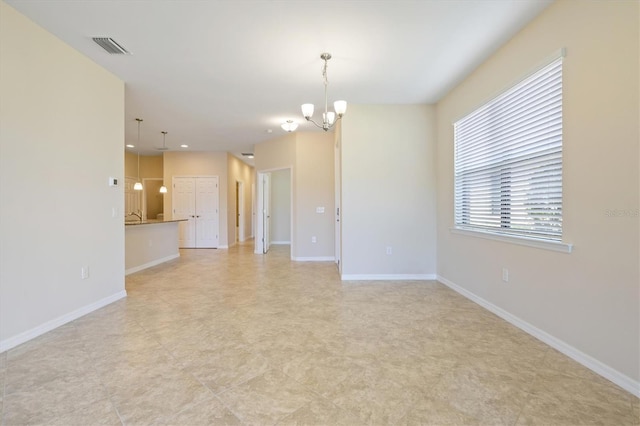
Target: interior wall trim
(388, 277)
(23, 337)
(150, 264)
(598, 367)
(314, 259)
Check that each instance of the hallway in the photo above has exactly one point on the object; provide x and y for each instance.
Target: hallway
(230, 337)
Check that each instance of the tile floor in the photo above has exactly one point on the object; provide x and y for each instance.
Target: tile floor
(229, 337)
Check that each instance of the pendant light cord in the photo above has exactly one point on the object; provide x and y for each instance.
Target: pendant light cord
(139, 120)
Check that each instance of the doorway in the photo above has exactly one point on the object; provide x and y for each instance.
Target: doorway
(266, 209)
(240, 219)
(196, 200)
(152, 199)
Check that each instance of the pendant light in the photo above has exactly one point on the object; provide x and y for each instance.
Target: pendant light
(138, 185)
(163, 189)
(289, 126)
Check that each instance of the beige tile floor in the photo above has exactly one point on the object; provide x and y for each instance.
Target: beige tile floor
(229, 337)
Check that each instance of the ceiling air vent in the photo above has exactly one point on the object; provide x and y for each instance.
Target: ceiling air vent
(111, 46)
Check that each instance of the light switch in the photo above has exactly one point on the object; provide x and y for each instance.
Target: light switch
(319, 209)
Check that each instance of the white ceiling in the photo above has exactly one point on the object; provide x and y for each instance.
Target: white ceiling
(218, 74)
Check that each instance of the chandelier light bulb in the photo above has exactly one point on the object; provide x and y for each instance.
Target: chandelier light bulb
(307, 111)
(340, 107)
(329, 118)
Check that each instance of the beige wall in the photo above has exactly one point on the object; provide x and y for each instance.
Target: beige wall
(314, 188)
(388, 191)
(149, 245)
(62, 138)
(588, 299)
(239, 171)
(278, 153)
(280, 207)
(198, 164)
(151, 166)
(130, 164)
(310, 157)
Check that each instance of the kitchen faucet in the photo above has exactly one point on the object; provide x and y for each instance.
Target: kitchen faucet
(138, 215)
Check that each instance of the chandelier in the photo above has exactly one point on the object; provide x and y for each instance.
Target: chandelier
(339, 107)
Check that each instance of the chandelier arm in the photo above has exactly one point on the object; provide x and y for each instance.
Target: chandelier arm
(324, 126)
(316, 124)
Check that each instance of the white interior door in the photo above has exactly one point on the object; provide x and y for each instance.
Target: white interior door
(338, 201)
(206, 208)
(240, 233)
(184, 207)
(266, 212)
(253, 210)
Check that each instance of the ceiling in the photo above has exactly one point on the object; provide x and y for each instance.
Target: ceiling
(222, 75)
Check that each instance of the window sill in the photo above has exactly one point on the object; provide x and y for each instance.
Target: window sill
(523, 241)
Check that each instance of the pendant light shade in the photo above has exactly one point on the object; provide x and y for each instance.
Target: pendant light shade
(163, 189)
(289, 126)
(138, 185)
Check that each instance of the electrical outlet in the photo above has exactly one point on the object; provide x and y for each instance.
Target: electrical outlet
(505, 275)
(314, 239)
(389, 250)
(84, 272)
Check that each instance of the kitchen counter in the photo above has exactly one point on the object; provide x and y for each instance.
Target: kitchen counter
(149, 245)
(150, 221)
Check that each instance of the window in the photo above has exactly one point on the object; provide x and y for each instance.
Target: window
(508, 161)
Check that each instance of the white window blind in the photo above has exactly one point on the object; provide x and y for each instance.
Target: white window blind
(508, 160)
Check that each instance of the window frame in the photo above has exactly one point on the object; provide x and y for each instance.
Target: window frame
(527, 236)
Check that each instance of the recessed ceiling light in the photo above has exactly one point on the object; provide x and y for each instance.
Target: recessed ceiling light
(130, 146)
(184, 146)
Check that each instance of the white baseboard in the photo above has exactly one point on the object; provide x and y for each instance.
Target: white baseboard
(280, 242)
(221, 247)
(389, 277)
(21, 338)
(609, 373)
(150, 264)
(314, 259)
